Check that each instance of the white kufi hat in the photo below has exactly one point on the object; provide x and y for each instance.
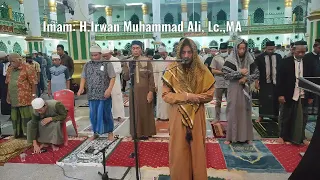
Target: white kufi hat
(37, 103)
(55, 56)
(106, 51)
(34, 52)
(95, 49)
(162, 49)
(2, 54)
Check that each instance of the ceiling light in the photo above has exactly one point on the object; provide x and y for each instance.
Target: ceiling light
(133, 4)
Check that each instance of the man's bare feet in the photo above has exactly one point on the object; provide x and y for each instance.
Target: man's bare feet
(93, 137)
(287, 142)
(227, 142)
(249, 142)
(281, 141)
(43, 146)
(54, 147)
(306, 142)
(110, 137)
(216, 121)
(259, 119)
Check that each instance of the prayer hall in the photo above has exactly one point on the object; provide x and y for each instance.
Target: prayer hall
(160, 89)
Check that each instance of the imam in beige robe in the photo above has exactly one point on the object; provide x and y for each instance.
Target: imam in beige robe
(143, 84)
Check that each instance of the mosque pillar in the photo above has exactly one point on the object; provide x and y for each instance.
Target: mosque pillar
(53, 10)
(32, 20)
(108, 10)
(10, 12)
(184, 13)
(79, 40)
(245, 11)
(21, 6)
(156, 19)
(288, 11)
(204, 13)
(145, 21)
(233, 14)
(314, 19)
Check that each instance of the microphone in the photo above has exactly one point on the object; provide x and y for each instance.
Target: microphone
(184, 61)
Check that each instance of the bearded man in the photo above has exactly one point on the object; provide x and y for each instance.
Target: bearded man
(241, 71)
(187, 96)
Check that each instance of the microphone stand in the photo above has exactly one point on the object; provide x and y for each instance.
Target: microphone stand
(135, 136)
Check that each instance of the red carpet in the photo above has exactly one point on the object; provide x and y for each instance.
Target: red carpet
(287, 155)
(49, 157)
(155, 154)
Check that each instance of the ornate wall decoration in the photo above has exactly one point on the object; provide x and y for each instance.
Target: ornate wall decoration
(3, 47)
(258, 16)
(17, 48)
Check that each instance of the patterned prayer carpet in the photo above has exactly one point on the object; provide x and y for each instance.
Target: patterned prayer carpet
(219, 129)
(49, 157)
(311, 126)
(166, 177)
(11, 148)
(88, 129)
(84, 158)
(288, 155)
(266, 129)
(155, 154)
(253, 157)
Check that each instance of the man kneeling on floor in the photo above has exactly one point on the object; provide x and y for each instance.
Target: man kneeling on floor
(45, 126)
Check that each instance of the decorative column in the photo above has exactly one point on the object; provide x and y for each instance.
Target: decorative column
(53, 10)
(156, 19)
(10, 12)
(21, 6)
(31, 16)
(288, 11)
(145, 21)
(108, 10)
(79, 41)
(204, 13)
(184, 13)
(233, 14)
(314, 18)
(245, 11)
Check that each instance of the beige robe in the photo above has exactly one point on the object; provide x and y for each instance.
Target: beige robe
(143, 84)
(187, 162)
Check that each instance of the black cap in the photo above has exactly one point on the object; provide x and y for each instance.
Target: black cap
(304, 43)
(229, 47)
(224, 46)
(270, 43)
(278, 45)
(317, 40)
(150, 52)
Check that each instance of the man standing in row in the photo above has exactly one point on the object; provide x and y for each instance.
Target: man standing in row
(4, 65)
(100, 77)
(116, 94)
(295, 101)
(143, 89)
(221, 84)
(187, 87)
(268, 64)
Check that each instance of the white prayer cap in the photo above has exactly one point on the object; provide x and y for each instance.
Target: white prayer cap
(2, 54)
(37, 103)
(34, 52)
(162, 49)
(55, 56)
(95, 49)
(106, 51)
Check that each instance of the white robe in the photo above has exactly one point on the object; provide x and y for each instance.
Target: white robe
(162, 107)
(116, 94)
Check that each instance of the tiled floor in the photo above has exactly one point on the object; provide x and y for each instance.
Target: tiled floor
(53, 172)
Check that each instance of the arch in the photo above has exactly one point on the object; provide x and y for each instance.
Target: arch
(298, 11)
(134, 19)
(3, 47)
(17, 48)
(102, 20)
(213, 43)
(251, 44)
(221, 17)
(4, 9)
(168, 19)
(258, 16)
(127, 47)
(263, 44)
(194, 17)
(209, 16)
